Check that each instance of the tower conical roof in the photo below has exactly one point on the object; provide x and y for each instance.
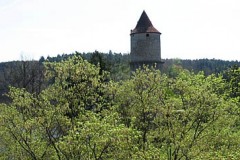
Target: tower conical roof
(144, 25)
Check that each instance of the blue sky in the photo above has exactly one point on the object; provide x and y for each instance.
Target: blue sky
(191, 29)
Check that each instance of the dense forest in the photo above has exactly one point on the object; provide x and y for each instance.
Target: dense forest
(29, 74)
(89, 106)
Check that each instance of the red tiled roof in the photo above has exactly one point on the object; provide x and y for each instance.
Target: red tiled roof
(144, 25)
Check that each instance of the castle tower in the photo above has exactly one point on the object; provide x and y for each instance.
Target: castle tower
(145, 44)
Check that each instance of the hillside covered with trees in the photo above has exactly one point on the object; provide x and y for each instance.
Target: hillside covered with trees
(30, 74)
(89, 106)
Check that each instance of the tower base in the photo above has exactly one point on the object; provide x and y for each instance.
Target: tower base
(139, 65)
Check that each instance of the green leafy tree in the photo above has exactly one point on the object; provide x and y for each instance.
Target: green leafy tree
(232, 75)
(179, 116)
(95, 137)
(70, 119)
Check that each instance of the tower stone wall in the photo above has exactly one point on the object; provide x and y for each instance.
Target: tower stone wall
(145, 47)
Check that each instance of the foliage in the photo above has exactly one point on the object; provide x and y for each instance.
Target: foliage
(30, 74)
(22, 74)
(232, 75)
(83, 114)
(180, 115)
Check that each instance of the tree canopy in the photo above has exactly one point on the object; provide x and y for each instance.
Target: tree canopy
(85, 114)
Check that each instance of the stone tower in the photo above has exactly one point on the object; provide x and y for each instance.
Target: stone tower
(145, 44)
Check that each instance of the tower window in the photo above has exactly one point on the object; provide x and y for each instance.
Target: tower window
(147, 35)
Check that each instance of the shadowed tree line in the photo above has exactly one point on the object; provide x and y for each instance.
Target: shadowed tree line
(30, 74)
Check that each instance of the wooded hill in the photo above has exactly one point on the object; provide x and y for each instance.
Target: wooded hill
(30, 74)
